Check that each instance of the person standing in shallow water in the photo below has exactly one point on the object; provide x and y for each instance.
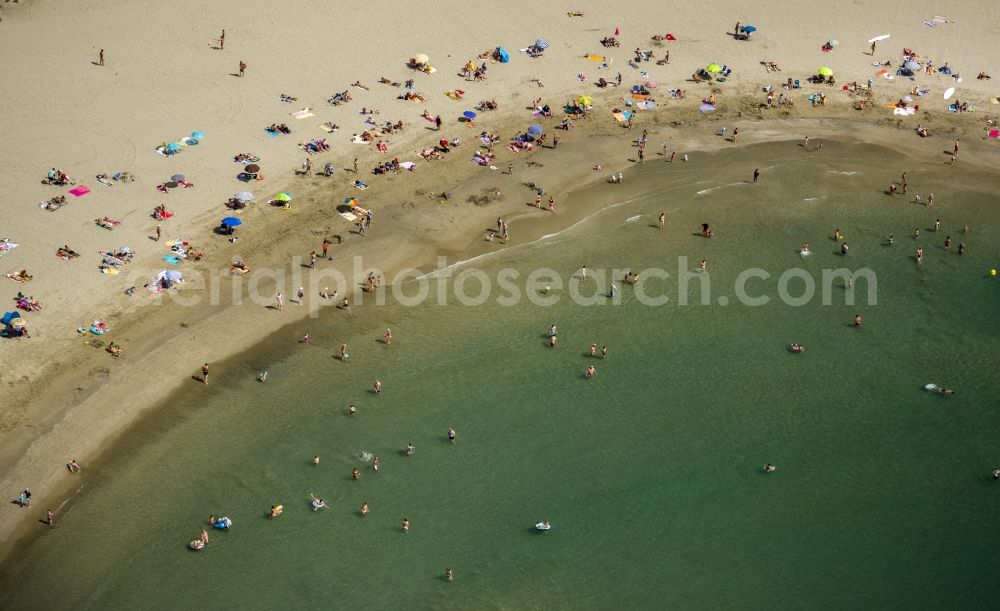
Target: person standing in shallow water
(662, 220)
(857, 320)
(756, 175)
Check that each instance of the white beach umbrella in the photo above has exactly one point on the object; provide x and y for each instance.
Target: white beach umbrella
(879, 37)
(949, 92)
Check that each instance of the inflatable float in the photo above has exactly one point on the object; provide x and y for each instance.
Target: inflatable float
(543, 526)
(275, 511)
(223, 523)
(197, 545)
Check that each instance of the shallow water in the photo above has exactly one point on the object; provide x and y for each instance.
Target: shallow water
(650, 473)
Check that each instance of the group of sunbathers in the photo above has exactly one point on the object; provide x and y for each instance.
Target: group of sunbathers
(409, 95)
(337, 98)
(58, 178)
(488, 105)
(387, 167)
(26, 303)
(246, 158)
(287, 98)
(279, 129)
(65, 252)
(315, 146)
(55, 203)
(769, 66)
(160, 213)
(610, 41)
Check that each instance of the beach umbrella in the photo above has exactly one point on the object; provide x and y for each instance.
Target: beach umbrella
(177, 177)
(535, 130)
(994, 133)
(232, 221)
(504, 55)
(907, 99)
(197, 135)
(879, 37)
(824, 71)
(706, 108)
(283, 197)
(421, 58)
(170, 184)
(541, 43)
(911, 65)
(252, 168)
(350, 201)
(469, 114)
(749, 29)
(18, 323)
(243, 196)
(618, 32)
(586, 100)
(9, 316)
(949, 92)
(713, 68)
(173, 275)
(173, 147)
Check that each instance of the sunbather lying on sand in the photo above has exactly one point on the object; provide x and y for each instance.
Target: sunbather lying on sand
(21, 276)
(107, 223)
(360, 85)
(115, 349)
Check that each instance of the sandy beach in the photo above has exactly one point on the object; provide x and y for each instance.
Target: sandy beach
(165, 78)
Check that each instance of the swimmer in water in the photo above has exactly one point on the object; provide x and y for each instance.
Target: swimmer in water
(364, 509)
(355, 474)
(593, 350)
(377, 386)
(591, 372)
(890, 239)
(387, 337)
(449, 575)
(343, 352)
(604, 352)
(798, 348)
(857, 320)
(376, 463)
(805, 248)
(947, 391)
(262, 376)
(451, 434)
(704, 266)
(920, 254)
(406, 525)
(316, 502)
(996, 475)
(837, 235)
(409, 449)
(316, 459)
(352, 410)
(769, 468)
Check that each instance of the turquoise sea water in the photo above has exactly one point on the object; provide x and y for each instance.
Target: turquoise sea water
(650, 473)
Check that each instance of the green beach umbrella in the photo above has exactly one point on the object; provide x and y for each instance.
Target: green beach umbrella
(283, 197)
(713, 68)
(824, 71)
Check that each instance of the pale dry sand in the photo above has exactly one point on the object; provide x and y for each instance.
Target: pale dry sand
(163, 79)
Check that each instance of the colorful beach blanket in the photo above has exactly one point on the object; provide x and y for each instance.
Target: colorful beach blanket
(80, 191)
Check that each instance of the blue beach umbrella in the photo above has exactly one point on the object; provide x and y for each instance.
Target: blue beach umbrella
(197, 135)
(750, 29)
(469, 114)
(232, 221)
(173, 147)
(535, 130)
(504, 55)
(243, 196)
(541, 43)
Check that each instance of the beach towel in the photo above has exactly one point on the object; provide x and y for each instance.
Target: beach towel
(328, 129)
(111, 271)
(350, 216)
(302, 114)
(622, 116)
(51, 205)
(171, 259)
(596, 58)
(79, 191)
(430, 118)
(457, 94)
(271, 133)
(646, 105)
(640, 96)
(408, 165)
(360, 185)
(903, 111)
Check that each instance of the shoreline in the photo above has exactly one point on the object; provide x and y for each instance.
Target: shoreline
(64, 487)
(87, 404)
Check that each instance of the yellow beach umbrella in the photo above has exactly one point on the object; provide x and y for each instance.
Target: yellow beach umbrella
(824, 71)
(713, 68)
(586, 100)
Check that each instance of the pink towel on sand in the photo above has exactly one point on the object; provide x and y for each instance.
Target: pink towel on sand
(80, 191)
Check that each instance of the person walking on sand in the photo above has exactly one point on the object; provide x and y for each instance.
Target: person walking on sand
(954, 150)
(100, 58)
(326, 249)
(387, 338)
(243, 67)
(437, 122)
(222, 40)
(873, 50)
(343, 353)
(50, 518)
(279, 302)
(299, 295)
(756, 175)
(672, 155)
(159, 231)
(355, 165)
(662, 220)
(204, 373)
